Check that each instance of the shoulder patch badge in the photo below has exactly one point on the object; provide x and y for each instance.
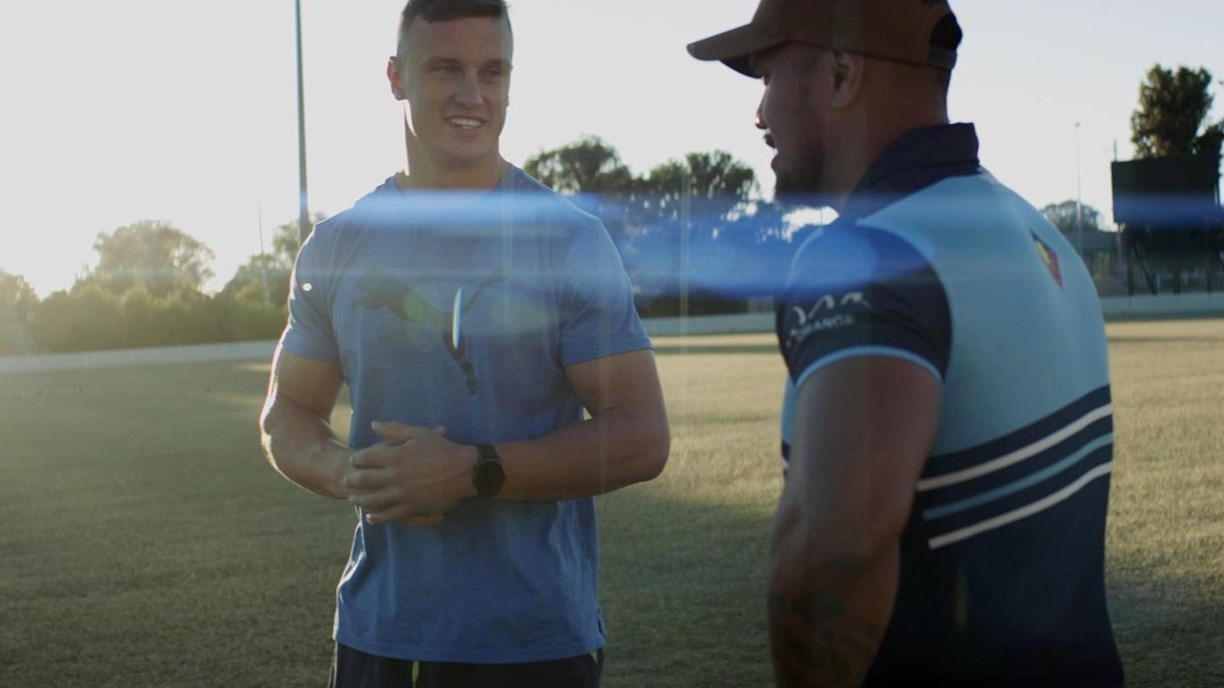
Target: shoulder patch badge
(1050, 258)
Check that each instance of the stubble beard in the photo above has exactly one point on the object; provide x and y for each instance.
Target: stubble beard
(802, 185)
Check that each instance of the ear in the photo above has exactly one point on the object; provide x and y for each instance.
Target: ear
(847, 75)
(394, 78)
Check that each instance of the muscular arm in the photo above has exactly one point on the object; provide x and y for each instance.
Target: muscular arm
(294, 426)
(863, 430)
(626, 440)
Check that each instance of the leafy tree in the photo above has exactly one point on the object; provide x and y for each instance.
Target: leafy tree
(592, 166)
(1062, 215)
(1172, 114)
(285, 240)
(17, 302)
(88, 318)
(1211, 142)
(152, 254)
(644, 215)
(254, 276)
(140, 312)
(716, 181)
(271, 269)
(248, 320)
(719, 175)
(711, 175)
(588, 165)
(17, 297)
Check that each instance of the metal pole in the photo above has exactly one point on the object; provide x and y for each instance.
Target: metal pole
(1079, 195)
(263, 260)
(686, 199)
(303, 207)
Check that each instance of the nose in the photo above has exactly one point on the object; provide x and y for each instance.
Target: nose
(470, 94)
(760, 115)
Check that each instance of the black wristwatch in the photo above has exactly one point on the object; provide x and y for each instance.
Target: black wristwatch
(488, 474)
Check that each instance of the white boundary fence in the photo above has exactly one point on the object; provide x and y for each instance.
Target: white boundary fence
(1163, 306)
(1117, 307)
(1114, 308)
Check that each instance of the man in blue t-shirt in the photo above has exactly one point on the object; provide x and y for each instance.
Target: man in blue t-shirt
(474, 315)
(947, 428)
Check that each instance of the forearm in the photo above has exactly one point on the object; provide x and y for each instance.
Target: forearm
(301, 446)
(595, 456)
(827, 613)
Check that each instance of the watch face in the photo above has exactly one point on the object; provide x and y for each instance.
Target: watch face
(489, 477)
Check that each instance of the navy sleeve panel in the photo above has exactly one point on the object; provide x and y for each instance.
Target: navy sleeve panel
(856, 290)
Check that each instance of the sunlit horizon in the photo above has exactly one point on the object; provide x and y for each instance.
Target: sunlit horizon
(131, 111)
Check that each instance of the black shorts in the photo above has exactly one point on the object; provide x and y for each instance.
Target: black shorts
(355, 669)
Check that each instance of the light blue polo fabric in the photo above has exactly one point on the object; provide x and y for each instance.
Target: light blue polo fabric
(463, 310)
(934, 262)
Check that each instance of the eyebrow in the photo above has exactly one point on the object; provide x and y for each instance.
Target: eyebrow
(446, 61)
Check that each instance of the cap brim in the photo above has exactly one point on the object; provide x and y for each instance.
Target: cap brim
(735, 48)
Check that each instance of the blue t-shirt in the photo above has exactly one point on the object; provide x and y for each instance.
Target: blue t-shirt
(1002, 559)
(463, 310)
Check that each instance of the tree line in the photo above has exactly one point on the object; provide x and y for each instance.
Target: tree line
(683, 229)
(147, 289)
(147, 285)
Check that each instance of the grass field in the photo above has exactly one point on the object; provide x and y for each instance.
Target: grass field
(144, 541)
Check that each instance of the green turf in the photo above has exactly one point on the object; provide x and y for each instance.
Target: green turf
(144, 541)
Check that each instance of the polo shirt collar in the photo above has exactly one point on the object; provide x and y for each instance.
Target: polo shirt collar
(914, 161)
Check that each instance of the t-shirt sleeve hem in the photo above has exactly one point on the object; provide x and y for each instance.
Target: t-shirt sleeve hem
(865, 351)
(588, 355)
(305, 350)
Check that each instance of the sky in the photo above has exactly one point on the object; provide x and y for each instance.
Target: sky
(115, 112)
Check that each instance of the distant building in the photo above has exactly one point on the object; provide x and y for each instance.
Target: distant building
(1171, 222)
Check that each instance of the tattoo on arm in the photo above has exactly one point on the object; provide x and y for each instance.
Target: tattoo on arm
(815, 640)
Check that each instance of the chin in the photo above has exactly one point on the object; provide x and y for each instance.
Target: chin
(803, 185)
(789, 193)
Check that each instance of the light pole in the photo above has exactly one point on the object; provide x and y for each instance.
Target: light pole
(263, 260)
(303, 207)
(686, 210)
(1079, 199)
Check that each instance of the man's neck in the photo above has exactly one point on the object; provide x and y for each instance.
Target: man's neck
(485, 175)
(877, 138)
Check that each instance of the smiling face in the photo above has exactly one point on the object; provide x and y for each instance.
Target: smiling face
(455, 77)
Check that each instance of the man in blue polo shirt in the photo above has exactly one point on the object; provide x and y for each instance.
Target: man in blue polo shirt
(474, 315)
(947, 425)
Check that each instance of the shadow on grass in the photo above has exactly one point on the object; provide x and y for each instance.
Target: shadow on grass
(683, 592)
(145, 542)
